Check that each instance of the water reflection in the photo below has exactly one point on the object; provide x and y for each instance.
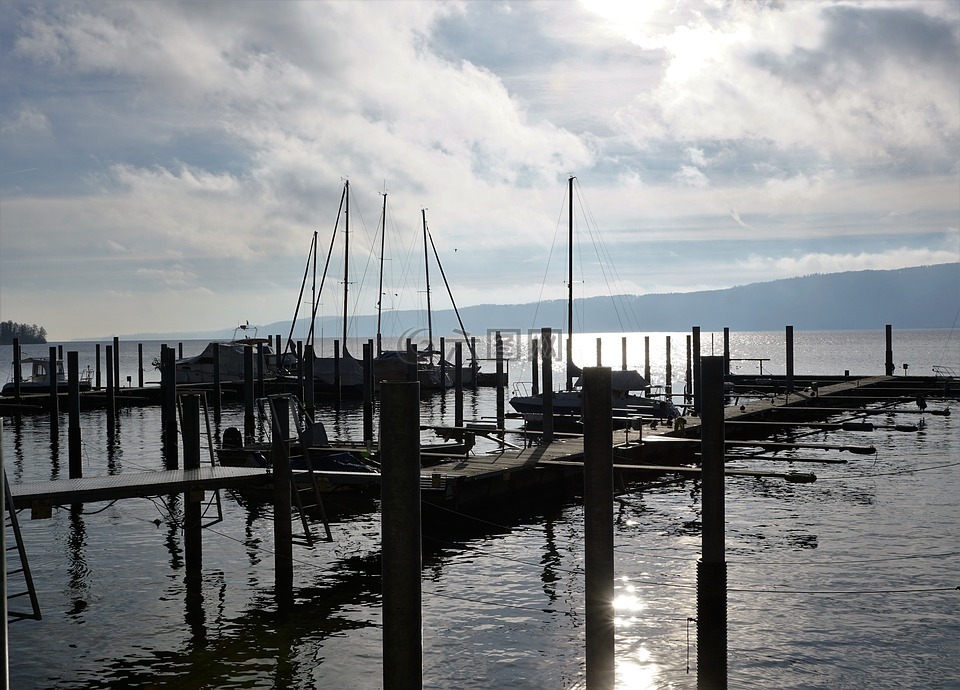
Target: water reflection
(77, 567)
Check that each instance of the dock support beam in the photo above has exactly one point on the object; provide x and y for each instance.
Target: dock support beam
(712, 567)
(598, 527)
(646, 358)
(336, 373)
(400, 535)
(111, 395)
(217, 388)
(116, 370)
(726, 351)
(309, 384)
(17, 372)
(140, 365)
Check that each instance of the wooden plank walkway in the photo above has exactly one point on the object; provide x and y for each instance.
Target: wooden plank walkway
(136, 485)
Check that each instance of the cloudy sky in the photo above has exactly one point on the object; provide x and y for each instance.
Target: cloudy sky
(164, 165)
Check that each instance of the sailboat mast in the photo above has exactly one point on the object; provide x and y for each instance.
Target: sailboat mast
(346, 260)
(570, 289)
(426, 269)
(383, 235)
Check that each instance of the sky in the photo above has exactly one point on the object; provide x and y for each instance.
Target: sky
(164, 165)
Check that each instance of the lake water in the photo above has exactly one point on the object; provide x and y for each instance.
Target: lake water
(844, 583)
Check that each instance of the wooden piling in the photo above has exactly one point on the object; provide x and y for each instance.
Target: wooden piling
(501, 389)
(309, 384)
(111, 394)
(97, 366)
(473, 355)
(646, 358)
(443, 363)
(140, 365)
(599, 352)
(217, 383)
(889, 368)
(248, 394)
(192, 498)
(261, 371)
(368, 394)
(788, 337)
(400, 535)
(17, 371)
(598, 527)
(74, 444)
(696, 368)
(546, 345)
(54, 390)
(535, 366)
(116, 369)
(623, 353)
(726, 351)
(282, 509)
(712, 567)
(458, 384)
(168, 395)
(668, 388)
(336, 373)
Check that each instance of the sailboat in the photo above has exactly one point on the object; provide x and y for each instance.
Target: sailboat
(568, 403)
(432, 371)
(343, 373)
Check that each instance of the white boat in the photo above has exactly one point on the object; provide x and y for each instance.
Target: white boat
(625, 384)
(199, 368)
(35, 377)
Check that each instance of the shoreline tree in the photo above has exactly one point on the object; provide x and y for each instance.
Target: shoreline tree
(28, 334)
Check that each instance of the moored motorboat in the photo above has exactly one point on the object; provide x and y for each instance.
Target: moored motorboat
(35, 377)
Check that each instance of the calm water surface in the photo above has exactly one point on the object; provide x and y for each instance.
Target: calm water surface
(844, 583)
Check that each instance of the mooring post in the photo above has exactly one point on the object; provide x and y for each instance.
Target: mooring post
(97, 366)
(400, 534)
(168, 394)
(535, 366)
(546, 345)
(309, 385)
(116, 369)
(712, 567)
(17, 372)
(74, 446)
(599, 353)
(668, 388)
(889, 358)
(473, 361)
(111, 395)
(368, 394)
(443, 363)
(336, 374)
(789, 354)
(217, 387)
(458, 384)
(140, 365)
(646, 358)
(261, 370)
(501, 410)
(248, 394)
(300, 390)
(412, 369)
(180, 350)
(696, 368)
(623, 354)
(726, 351)
(598, 526)
(193, 496)
(53, 371)
(282, 509)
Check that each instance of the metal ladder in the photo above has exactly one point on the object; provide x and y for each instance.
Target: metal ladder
(309, 497)
(21, 573)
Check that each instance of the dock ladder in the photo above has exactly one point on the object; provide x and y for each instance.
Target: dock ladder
(17, 570)
(306, 496)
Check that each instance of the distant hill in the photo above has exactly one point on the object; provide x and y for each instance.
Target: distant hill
(907, 298)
